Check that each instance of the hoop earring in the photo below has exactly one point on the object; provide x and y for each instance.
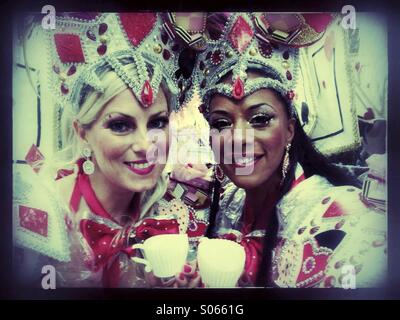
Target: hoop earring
(88, 165)
(219, 173)
(285, 164)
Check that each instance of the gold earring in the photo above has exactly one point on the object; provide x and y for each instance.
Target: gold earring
(285, 164)
(88, 165)
(219, 173)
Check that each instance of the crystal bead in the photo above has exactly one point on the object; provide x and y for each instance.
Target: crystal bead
(164, 38)
(64, 89)
(166, 54)
(286, 55)
(71, 70)
(288, 75)
(103, 28)
(157, 48)
(91, 35)
(285, 64)
(56, 69)
(314, 230)
(101, 50)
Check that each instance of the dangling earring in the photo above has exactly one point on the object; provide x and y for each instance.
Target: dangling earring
(219, 174)
(88, 165)
(285, 164)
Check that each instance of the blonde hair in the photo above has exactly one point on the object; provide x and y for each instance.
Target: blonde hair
(90, 104)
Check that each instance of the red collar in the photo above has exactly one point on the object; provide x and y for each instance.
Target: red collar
(83, 188)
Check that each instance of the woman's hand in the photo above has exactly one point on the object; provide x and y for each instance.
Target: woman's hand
(189, 277)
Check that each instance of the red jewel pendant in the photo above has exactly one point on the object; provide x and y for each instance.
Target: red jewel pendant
(238, 89)
(146, 95)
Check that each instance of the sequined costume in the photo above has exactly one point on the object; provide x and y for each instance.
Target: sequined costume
(326, 234)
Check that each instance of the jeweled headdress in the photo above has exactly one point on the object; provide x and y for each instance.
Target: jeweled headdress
(267, 43)
(83, 44)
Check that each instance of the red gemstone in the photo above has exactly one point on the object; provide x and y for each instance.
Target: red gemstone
(166, 54)
(101, 50)
(290, 95)
(238, 89)
(216, 57)
(69, 48)
(137, 25)
(241, 34)
(91, 35)
(71, 70)
(103, 28)
(64, 89)
(265, 50)
(289, 75)
(146, 95)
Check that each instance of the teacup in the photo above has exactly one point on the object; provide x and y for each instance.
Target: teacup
(164, 254)
(221, 262)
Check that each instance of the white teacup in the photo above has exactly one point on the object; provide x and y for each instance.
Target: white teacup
(164, 254)
(221, 262)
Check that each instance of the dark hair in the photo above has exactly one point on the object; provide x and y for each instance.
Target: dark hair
(302, 151)
(313, 162)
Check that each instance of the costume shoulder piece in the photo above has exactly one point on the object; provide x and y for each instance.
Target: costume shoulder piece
(38, 217)
(329, 238)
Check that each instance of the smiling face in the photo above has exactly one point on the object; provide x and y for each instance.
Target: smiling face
(262, 112)
(119, 140)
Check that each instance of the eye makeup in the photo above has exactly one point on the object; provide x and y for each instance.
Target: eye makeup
(119, 123)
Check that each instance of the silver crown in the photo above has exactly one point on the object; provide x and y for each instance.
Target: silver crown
(81, 48)
(252, 41)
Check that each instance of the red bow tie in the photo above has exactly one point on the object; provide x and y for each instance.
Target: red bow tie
(108, 243)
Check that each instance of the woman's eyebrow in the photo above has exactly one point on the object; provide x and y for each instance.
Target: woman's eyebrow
(258, 105)
(223, 112)
(158, 114)
(109, 114)
(113, 114)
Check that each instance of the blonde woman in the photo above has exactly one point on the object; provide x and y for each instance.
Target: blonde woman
(114, 75)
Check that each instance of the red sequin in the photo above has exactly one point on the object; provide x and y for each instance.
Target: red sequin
(137, 25)
(241, 34)
(33, 219)
(334, 210)
(69, 48)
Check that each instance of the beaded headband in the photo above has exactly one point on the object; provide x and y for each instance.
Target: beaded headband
(80, 47)
(267, 43)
